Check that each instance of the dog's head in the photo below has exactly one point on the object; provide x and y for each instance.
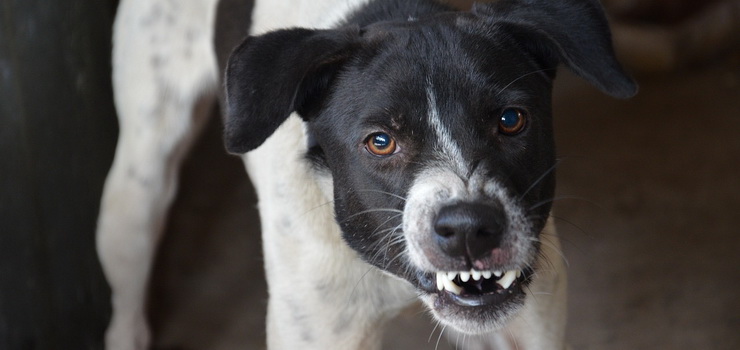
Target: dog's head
(437, 134)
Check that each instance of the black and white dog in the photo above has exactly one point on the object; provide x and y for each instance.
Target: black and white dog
(399, 149)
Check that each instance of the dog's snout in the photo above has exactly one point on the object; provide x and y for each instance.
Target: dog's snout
(469, 229)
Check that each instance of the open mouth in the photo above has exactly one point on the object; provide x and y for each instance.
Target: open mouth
(478, 288)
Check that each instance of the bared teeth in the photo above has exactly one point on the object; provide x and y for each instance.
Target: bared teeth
(445, 280)
(507, 279)
(452, 287)
(464, 276)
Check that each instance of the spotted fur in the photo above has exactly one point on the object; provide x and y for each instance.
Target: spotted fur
(350, 238)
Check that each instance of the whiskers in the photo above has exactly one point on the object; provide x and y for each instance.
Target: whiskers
(552, 200)
(322, 205)
(402, 198)
(387, 236)
(441, 332)
(539, 179)
(378, 210)
(562, 197)
(522, 77)
(390, 238)
(545, 241)
(374, 210)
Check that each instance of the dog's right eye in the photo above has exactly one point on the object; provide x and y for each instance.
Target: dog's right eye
(380, 144)
(512, 121)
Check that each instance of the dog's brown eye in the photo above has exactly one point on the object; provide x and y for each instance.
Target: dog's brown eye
(380, 144)
(512, 121)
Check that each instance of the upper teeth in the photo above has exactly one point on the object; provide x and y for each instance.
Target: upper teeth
(445, 279)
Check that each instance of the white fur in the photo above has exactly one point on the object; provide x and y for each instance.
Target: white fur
(299, 229)
(164, 75)
(448, 146)
(310, 271)
(438, 186)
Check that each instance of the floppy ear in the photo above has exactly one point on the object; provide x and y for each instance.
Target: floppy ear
(574, 32)
(270, 76)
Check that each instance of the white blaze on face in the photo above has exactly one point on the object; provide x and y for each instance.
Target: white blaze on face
(447, 145)
(431, 189)
(445, 181)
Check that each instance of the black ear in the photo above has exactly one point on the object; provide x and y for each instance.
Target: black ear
(574, 32)
(270, 76)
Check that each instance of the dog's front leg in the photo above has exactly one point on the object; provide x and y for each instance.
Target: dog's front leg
(164, 73)
(322, 296)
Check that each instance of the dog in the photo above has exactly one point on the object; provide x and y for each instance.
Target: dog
(400, 150)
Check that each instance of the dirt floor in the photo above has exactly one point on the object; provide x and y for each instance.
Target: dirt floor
(650, 186)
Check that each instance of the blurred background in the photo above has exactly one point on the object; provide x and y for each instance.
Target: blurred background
(652, 186)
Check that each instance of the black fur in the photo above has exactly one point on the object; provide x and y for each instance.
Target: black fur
(269, 76)
(383, 88)
(372, 74)
(574, 32)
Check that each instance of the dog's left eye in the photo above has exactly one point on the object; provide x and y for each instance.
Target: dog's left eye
(380, 144)
(512, 121)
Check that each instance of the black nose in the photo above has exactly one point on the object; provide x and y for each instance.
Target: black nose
(470, 229)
